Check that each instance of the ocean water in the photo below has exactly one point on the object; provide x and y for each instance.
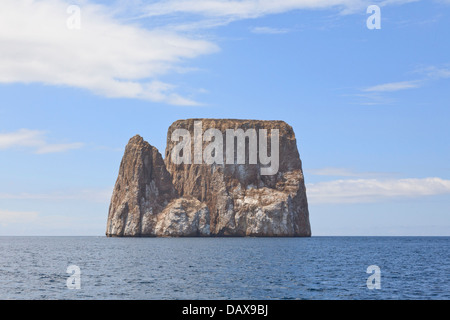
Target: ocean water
(225, 268)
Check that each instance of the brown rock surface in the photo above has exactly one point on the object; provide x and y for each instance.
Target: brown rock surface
(143, 189)
(183, 217)
(153, 197)
(242, 202)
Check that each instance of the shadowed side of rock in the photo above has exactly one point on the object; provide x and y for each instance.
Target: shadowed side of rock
(145, 202)
(142, 190)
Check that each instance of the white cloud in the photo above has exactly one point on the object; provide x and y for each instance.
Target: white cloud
(97, 196)
(344, 172)
(394, 86)
(331, 171)
(119, 56)
(19, 223)
(376, 94)
(34, 139)
(9, 217)
(247, 8)
(54, 148)
(372, 190)
(268, 30)
(105, 56)
(435, 73)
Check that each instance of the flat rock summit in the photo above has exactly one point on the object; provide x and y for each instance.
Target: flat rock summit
(219, 177)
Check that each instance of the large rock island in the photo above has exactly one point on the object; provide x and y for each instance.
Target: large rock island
(219, 177)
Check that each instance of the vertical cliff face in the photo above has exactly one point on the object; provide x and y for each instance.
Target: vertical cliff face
(145, 202)
(242, 201)
(242, 195)
(143, 189)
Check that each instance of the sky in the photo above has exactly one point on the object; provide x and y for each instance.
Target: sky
(369, 106)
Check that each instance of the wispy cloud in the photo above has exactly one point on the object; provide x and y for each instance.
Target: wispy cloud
(234, 9)
(429, 73)
(372, 190)
(249, 9)
(35, 140)
(48, 220)
(435, 72)
(9, 217)
(377, 94)
(345, 172)
(89, 195)
(394, 86)
(268, 30)
(23, 223)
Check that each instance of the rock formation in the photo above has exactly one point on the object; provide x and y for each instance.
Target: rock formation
(153, 197)
(145, 202)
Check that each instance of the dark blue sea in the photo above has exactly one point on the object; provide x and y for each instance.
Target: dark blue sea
(225, 268)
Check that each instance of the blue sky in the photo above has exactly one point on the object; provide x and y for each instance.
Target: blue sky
(370, 108)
